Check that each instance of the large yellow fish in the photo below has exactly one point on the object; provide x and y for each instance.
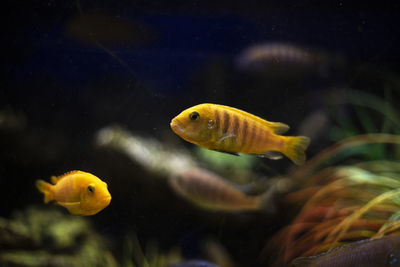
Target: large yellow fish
(80, 192)
(231, 130)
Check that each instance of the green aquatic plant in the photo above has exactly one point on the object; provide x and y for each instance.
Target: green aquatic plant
(39, 237)
(134, 256)
(365, 113)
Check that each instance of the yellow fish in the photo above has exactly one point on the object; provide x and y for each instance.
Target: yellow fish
(80, 192)
(233, 131)
(210, 191)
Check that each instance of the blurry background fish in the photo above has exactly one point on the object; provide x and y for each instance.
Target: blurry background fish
(208, 190)
(149, 154)
(285, 60)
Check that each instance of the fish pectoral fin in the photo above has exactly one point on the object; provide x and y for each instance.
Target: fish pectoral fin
(72, 207)
(69, 204)
(274, 155)
(226, 136)
(227, 152)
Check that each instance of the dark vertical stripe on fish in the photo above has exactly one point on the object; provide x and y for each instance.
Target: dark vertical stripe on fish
(243, 134)
(226, 122)
(235, 125)
(235, 130)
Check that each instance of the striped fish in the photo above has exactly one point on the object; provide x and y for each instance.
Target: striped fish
(234, 131)
(210, 191)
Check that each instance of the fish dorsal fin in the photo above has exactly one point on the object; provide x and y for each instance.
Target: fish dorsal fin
(69, 204)
(56, 179)
(276, 127)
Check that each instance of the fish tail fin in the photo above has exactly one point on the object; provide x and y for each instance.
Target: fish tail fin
(46, 189)
(295, 147)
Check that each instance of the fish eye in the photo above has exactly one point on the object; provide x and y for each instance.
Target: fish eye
(194, 116)
(90, 188)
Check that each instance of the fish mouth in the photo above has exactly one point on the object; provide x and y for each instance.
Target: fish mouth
(107, 200)
(176, 126)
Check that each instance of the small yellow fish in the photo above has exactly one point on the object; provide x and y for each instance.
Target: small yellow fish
(80, 192)
(233, 131)
(210, 191)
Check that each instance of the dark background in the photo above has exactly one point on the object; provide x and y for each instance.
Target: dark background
(181, 54)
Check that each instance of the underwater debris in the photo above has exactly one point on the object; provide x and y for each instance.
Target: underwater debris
(147, 152)
(230, 130)
(37, 237)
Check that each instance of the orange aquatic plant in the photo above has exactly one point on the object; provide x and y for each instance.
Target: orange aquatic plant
(340, 204)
